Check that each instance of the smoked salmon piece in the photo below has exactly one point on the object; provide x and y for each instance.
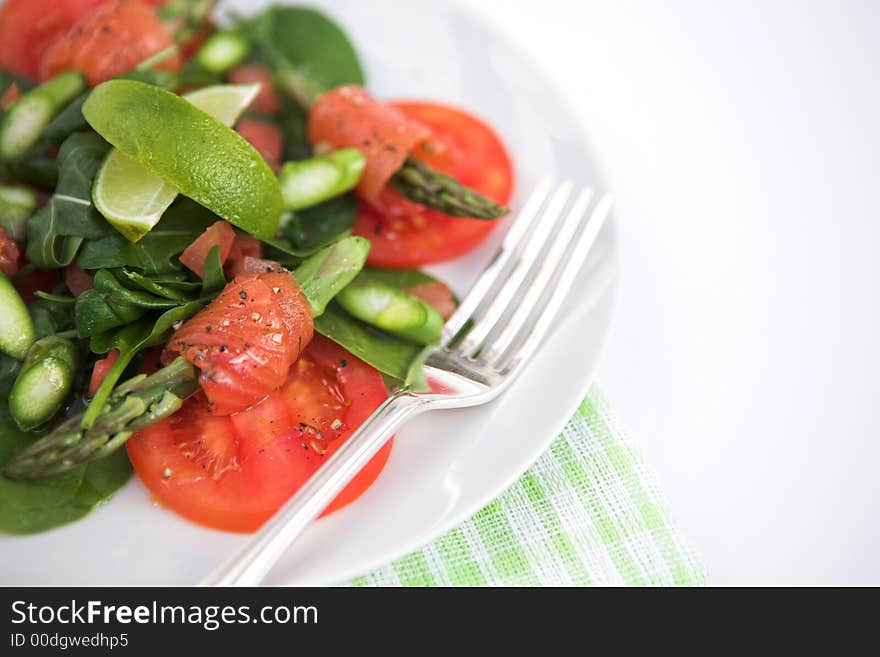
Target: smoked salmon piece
(245, 341)
(348, 117)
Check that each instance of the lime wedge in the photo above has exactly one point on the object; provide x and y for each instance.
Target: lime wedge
(225, 102)
(129, 196)
(133, 198)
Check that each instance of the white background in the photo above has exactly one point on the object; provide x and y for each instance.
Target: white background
(741, 141)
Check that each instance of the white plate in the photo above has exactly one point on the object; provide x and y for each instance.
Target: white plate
(444, 465)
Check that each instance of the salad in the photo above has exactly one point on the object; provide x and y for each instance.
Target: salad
(209, 243)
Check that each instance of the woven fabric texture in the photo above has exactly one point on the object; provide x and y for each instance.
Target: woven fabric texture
(588, 512)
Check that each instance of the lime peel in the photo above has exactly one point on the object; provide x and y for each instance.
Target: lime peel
(167, 144)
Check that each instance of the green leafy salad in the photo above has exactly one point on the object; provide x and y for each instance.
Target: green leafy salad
(210, 252)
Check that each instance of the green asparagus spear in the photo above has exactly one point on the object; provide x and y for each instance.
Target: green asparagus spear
(221, 52)
(16, 205)
(309, 182)
(25, 119)
(392, 310)
(420, 183)
(44, 382)
(16, 325)
(137, 403)
(145, 400)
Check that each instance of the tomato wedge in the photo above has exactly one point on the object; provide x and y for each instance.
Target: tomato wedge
(246, 258)
(113, 38)
(266, 102)
(435, 294)
(406, 234)
(9, 254)
(77, 280)
(100, 370)
(265, 137)
(348, 117)
(243, 246)
(221, 234)
(245, 341)
(39, 280)
(234, 472)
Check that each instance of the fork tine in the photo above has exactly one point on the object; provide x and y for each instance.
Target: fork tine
(519, 229)
(537, 318)
(498, 304)
(497, 342)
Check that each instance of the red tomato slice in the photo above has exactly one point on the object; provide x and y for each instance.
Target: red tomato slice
(435, 294)
(234, 472)
(113, 38)
(245, 258)
(99, 372)
(29, 27)
(405, 234)
(266, 101)
(348, 117)
(221, 234)
(243, 246)
(245, 341)
(9, 254)
(41, 279)
(265, 137)
(77, 280)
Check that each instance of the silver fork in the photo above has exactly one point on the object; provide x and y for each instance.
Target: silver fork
(484, 346)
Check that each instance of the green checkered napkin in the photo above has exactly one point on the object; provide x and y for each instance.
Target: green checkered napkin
(589, 511)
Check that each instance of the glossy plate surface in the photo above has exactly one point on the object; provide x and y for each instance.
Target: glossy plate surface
(445, 465)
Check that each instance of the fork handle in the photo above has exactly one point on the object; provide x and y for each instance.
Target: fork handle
(251, 564)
